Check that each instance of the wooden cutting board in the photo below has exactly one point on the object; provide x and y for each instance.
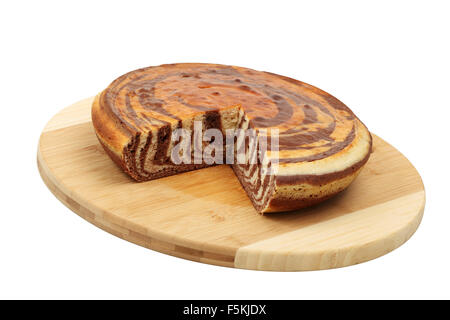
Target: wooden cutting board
(205, 215)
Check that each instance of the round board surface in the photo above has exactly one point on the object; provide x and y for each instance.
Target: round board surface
(205, 215)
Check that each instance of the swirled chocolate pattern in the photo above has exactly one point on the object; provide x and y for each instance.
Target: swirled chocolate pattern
(135, 116)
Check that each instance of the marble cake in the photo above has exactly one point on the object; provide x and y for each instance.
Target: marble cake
(322, 144)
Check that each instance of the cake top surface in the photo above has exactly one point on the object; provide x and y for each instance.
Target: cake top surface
(312, 124)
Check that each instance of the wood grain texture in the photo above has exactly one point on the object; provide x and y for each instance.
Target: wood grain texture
(205, 215)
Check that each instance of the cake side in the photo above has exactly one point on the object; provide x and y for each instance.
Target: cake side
(299, 185)
(147, 155)
(116, 140)
(166, 145)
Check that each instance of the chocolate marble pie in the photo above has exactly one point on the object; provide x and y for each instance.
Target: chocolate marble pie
(322, 145)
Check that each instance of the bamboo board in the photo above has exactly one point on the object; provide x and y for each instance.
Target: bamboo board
(205, 215)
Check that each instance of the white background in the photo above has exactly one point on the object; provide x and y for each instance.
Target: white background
(388, 61)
